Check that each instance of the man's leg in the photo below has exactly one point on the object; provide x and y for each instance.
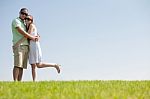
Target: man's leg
(24, 60)
(20, 74)
(15, 73)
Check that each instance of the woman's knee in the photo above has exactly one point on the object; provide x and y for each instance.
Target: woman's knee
(33, 66)
(38, 65)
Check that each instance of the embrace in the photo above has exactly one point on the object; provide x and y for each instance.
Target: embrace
(26, 46)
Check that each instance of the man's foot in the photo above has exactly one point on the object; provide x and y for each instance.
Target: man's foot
(57, 66)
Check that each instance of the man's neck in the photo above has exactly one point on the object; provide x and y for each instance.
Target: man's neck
(21, 18)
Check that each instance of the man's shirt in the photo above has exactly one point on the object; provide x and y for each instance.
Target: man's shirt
(16, 35)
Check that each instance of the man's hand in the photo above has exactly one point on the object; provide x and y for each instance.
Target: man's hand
(35, 38)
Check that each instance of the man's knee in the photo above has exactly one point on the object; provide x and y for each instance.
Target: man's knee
(17, 67)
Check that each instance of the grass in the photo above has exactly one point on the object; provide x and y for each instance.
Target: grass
(113, 89)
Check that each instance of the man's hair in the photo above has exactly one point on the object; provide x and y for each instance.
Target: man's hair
(23, 9)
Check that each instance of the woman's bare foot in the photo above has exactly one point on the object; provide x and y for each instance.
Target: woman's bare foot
(57, 66)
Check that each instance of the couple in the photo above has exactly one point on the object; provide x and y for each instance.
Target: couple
(26, 45)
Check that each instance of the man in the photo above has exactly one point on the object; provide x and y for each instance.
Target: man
(21, 50)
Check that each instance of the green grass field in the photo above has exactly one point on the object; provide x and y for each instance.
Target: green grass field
(113, 89)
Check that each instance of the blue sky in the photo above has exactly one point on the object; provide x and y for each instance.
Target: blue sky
(91, 39)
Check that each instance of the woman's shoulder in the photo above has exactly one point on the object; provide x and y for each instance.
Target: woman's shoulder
(33, 25)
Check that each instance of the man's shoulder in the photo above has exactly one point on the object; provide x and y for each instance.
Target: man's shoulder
(16, 20)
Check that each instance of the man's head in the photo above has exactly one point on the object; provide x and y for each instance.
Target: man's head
(23, 13)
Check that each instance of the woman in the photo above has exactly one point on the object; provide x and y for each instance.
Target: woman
(35, 54)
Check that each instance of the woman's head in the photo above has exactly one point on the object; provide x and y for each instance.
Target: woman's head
(29, 19)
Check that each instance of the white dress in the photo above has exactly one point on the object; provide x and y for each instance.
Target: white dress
(35, 54)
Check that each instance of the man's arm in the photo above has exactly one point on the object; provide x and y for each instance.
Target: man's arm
(31, 29)
(25, 34)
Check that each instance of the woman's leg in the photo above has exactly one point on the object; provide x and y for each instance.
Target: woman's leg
(43, 65)
(33, 66)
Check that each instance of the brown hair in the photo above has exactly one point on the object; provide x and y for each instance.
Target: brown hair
(31, 18)
(23, 9)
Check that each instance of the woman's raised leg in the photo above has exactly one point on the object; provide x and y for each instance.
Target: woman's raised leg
(43, 65)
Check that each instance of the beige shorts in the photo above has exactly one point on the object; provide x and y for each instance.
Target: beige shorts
(21, 56)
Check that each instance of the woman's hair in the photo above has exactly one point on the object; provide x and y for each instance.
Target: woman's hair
(31, 18)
